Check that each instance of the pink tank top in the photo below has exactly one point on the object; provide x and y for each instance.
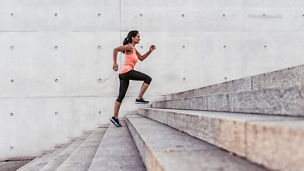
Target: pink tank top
(130, 61)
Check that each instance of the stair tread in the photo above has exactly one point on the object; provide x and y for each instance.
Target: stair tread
(117, 151)
(175, 150)
(81, 158)
(254, 136)
(43, 160)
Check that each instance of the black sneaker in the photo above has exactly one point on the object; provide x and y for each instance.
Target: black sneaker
(141, 101)
(115, 122)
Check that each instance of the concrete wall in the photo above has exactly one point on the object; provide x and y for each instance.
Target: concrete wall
(56, 57)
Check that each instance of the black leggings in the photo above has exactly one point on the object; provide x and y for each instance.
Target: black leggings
(124, 81)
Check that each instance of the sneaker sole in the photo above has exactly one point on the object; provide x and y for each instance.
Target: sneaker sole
(141, 103)
(114, 123)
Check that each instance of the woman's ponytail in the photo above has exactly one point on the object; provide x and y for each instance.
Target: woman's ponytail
(126, 41)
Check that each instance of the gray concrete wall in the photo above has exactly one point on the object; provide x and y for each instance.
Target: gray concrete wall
(56, 57)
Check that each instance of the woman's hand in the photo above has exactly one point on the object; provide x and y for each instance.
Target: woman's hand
(152, 47)
(115, 67)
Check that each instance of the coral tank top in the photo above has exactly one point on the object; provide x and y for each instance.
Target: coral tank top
(130, 61)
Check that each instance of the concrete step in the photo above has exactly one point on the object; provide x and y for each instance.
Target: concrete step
(272, 141)
(43, 160)
(117, 151)
(81, 158)
(281, 79)
(164, 148)
(289, 101)
(13, 165)
(54, 162)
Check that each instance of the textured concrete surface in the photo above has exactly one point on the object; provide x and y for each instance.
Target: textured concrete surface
(81, 159)
(273, 141)
(43, 160)
(288, 101)
(293, 76)
(117, 151)
(53, 160)
(12, 165)
(165, 148)
(284, 78)
(278, 144)
(239, 85)
(198, 103)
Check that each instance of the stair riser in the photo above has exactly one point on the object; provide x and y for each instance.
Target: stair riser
(268, 101)
(256, 140)
(240, 85)
(147, 156)
(279, 79)
(276, 146)
(284, 78)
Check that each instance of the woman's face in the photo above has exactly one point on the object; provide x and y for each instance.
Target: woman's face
(136, 39)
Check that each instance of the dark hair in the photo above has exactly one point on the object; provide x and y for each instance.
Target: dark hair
(128, 39)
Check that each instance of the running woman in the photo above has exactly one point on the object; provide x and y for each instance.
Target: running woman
(127, 71)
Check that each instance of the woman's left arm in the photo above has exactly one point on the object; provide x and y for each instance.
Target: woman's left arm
(141, 58)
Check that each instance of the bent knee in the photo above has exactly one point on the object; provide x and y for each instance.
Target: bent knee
(148, 80)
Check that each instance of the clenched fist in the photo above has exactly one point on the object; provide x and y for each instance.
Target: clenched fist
(115, 67)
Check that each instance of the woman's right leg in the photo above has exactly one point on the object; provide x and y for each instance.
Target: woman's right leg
(124, 84)
(116, 109)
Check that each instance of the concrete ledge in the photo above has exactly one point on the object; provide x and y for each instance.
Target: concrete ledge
(117, 151)
(272, 141)
(243, 84)
(293, 76)
(275, 101)
(284, 78)
(164, 148)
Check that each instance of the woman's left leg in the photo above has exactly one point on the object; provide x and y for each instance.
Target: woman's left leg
(142, 91)
(139, 76)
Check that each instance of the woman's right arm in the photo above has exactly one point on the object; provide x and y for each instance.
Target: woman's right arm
(115, 52)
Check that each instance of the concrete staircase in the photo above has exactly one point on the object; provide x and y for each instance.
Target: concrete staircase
(254, 123)
(259, 118)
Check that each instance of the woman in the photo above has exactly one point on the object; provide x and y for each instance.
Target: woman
(128, 73)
